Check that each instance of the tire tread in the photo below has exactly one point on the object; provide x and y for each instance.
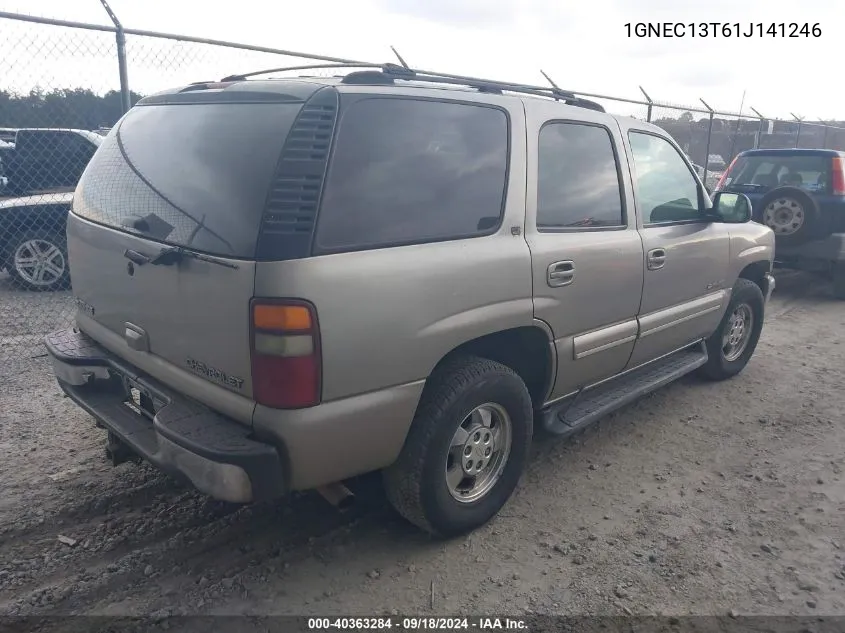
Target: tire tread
(403, 479)
(714, 369)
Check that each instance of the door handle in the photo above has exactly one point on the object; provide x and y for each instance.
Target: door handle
(560, 273)
(656, 258)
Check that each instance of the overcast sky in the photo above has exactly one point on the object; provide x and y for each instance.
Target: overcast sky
(583, 45)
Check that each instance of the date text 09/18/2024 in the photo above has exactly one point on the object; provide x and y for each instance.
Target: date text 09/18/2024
(723, 29)
(417, 624)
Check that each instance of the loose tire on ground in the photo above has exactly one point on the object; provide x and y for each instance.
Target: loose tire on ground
(37, 259)
(417, 485)
(724, 359)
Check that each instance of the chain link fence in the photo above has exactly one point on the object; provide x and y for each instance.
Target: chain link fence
(63, 85)
(60, 93)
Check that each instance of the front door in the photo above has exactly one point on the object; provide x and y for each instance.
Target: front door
(686, 254)
(586, 253)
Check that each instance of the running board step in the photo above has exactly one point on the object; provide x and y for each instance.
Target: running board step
(597, 402)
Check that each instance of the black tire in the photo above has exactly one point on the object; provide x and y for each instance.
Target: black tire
(839, 280)
(416, 483)
(718, 367)
(786, 201)
(20, 241)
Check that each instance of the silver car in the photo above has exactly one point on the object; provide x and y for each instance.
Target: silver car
(282, 284)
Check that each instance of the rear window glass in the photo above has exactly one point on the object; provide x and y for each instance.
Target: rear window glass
(406, 171)
(195, 175)
(809, 172)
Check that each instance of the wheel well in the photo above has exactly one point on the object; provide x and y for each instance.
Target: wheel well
(756, 272)
(526, 350)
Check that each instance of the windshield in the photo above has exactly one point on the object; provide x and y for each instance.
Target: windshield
(808, 171)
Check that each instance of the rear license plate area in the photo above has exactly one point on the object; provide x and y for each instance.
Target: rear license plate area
(139, 399)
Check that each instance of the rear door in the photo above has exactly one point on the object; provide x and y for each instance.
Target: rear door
(192, 174)
(686, 254)
(587, 256)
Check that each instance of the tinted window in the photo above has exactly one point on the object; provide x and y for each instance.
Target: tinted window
(666, 189)
(807, 171)
(577, 178)
(31, 142)
(78, 143)
(409, 171)
(198, 175)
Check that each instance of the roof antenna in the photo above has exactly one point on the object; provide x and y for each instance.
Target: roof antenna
(549, 79)
(399, 57)
(557, 92)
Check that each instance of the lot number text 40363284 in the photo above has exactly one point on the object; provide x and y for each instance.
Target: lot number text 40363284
(722, 29)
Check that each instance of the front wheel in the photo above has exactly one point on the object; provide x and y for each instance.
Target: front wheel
(466, 449)
(37, 260)
(730, 347)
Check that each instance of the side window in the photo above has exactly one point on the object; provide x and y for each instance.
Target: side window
(577, 178)
(406, 171)
(78, 149)
(27, 144)
(43, 146)
(666, 189)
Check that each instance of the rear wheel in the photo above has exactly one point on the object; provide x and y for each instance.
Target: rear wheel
(730, 347)
(37, 260)
(466, 449)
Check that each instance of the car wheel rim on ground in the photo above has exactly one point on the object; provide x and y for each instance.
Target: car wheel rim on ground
(738, 332)
(478, 452)
(784, 216)
(39, 262)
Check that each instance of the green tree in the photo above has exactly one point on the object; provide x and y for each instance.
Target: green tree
(61, 107)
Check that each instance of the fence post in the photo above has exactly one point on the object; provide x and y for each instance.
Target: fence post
(759, 128)
(650, 102)
(120, 37)
(824, 125)
(798, 135)
(709, 136)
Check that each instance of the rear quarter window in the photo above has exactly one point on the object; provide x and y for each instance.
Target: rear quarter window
(407, 171)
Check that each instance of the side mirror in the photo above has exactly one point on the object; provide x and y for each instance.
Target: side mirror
(732, 208)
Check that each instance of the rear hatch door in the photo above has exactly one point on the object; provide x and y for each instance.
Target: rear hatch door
(165, 222)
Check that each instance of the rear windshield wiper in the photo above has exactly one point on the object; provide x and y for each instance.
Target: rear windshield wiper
(170, 256)
(174, 255)
(753, 185)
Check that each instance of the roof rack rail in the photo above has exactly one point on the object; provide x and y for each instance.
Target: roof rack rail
(389, 72)
(254, 73)
(484, 85)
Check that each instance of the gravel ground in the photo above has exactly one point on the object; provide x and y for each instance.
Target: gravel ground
(24, 319)
(701, 499)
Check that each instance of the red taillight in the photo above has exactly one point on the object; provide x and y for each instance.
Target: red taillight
(285, 354)
(725, 173)
(838, 176)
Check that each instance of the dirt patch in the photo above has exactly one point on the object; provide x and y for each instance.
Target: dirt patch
(701, 499)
